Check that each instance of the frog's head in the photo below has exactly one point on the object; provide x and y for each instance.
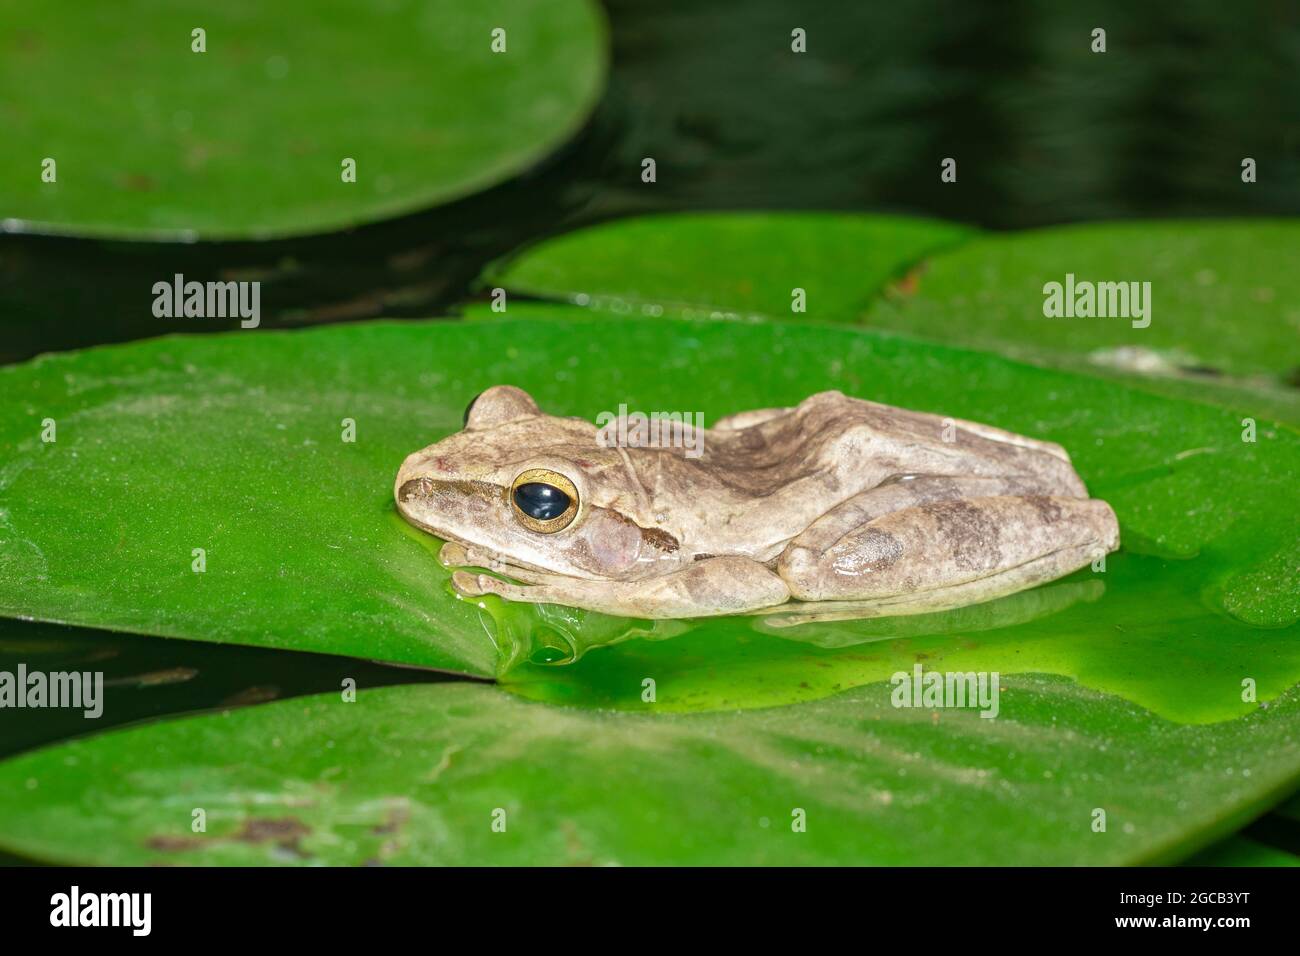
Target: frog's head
(534, 490)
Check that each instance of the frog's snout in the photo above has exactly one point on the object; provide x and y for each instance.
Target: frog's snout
(413, 489)
(416, 501)
(414, 484)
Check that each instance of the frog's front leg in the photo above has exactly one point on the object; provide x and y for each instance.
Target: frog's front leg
(925, 548)
(709, 587)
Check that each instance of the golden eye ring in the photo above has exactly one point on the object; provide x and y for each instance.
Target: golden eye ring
(543, 500)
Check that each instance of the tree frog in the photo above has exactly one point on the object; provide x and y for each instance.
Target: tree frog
(836, 504)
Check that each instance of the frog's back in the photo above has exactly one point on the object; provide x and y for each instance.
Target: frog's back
(855, 444)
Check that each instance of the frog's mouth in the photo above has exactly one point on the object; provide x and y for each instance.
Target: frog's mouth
(427, 503)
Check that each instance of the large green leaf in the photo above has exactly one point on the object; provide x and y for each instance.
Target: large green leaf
(728, 264)
(413, 775)
(232, 443)
(1223, 328)
(248, 138)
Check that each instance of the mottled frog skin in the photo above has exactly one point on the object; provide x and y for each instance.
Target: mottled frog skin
(837, 504)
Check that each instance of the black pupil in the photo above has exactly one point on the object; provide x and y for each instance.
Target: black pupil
(540, 501)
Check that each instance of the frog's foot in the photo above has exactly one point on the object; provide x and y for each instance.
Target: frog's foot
(712, 587)
(944, 553)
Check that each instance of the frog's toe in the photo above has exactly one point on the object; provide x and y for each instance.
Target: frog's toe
(469, 584)
(476, 585)
(453, 555)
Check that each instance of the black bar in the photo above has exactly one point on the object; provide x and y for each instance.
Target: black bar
(333, 905)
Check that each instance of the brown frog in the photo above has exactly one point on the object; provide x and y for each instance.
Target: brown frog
(837, 504)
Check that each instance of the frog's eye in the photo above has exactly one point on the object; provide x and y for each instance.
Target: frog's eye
(544, 500)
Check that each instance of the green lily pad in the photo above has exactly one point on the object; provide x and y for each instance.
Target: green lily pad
(235, 444)
(248, 138)
(1223, 328)
(419, 775)
(727, 264)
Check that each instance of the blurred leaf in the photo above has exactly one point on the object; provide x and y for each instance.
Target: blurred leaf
(736, 264)
(1291, 808)
(247, 139)
(1242, 851)
(417, 775)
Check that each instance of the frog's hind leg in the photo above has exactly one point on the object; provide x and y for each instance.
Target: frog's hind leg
(1011, 438)
(942, 550)
(1032, 573)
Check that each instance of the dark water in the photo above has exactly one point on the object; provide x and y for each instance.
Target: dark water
(147, 677)
(1044, 132)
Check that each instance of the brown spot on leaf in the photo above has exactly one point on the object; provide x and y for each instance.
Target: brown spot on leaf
(908, 284)
(575, 850)
(172, 844)
(394, 820)
(137, 182)
(260, 831)
(258, 694)
(284, 833)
